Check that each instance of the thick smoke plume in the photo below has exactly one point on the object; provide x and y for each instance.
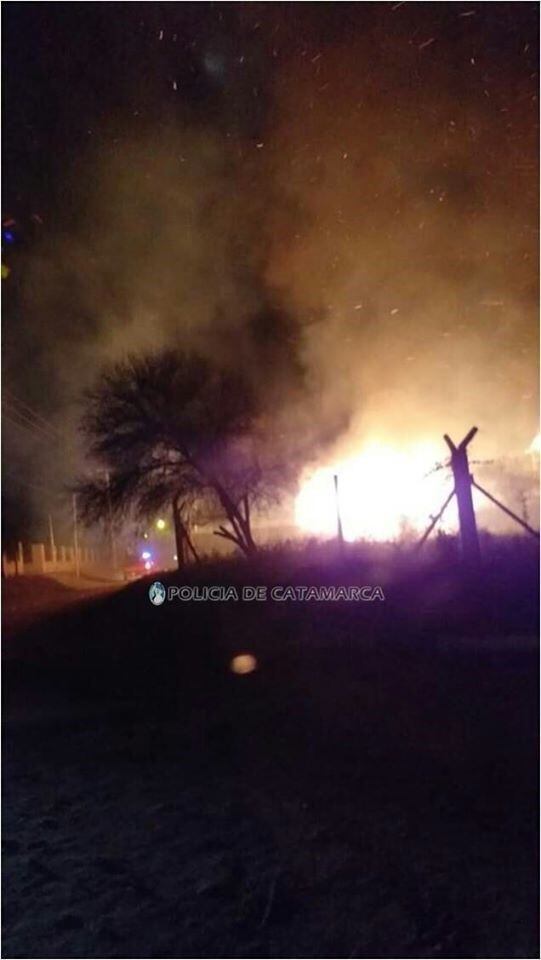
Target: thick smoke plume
(418, 242)
(365, 247)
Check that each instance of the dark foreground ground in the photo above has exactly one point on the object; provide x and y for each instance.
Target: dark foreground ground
(370, 791)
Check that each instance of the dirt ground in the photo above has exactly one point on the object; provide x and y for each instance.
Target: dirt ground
(355, 796)
(28, 599)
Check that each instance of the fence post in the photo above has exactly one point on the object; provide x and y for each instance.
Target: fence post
(38, 557)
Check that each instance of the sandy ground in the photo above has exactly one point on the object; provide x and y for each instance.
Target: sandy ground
(113, 849)
(358, 802)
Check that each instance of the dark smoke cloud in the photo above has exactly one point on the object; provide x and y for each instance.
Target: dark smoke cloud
(166, 243)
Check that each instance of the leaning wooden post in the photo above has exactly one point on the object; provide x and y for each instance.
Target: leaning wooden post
(463, 484)
(522, 523)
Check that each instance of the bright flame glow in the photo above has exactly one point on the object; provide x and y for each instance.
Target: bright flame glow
(382, 492)
(160, 524)
(535, 445)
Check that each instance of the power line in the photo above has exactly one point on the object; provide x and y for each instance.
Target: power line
(28, 428)
(441, 465)
(30, 418)
(26, 420)
(26, 406)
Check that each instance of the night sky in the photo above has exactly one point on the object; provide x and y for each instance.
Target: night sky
(370, 169)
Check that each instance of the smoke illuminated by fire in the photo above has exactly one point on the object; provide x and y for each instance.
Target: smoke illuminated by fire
(378, 192)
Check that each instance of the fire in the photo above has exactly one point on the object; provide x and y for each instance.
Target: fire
(382, 492)
(535, 445)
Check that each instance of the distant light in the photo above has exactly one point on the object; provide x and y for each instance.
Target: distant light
(175, 556)
(243, 663)
(5, 271)
(148, 565)
(8, 236)
(145, 536)
(160, 524)
(146, 555)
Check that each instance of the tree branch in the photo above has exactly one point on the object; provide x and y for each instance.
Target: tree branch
(227, 535)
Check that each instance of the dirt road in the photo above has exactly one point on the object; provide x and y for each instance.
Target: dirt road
(27, 599)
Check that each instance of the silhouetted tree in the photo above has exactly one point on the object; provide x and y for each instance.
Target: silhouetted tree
(174, 428)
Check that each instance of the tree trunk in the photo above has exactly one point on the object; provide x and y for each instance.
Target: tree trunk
(182, 537)
(242, 534)
(179, 534)
(249, 545)
(190, 545)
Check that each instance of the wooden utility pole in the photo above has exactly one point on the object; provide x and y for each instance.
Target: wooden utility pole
(339, 531)
(110, 523)
(75, 535)
(51, 537)
(466, 514)
(463, 484)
